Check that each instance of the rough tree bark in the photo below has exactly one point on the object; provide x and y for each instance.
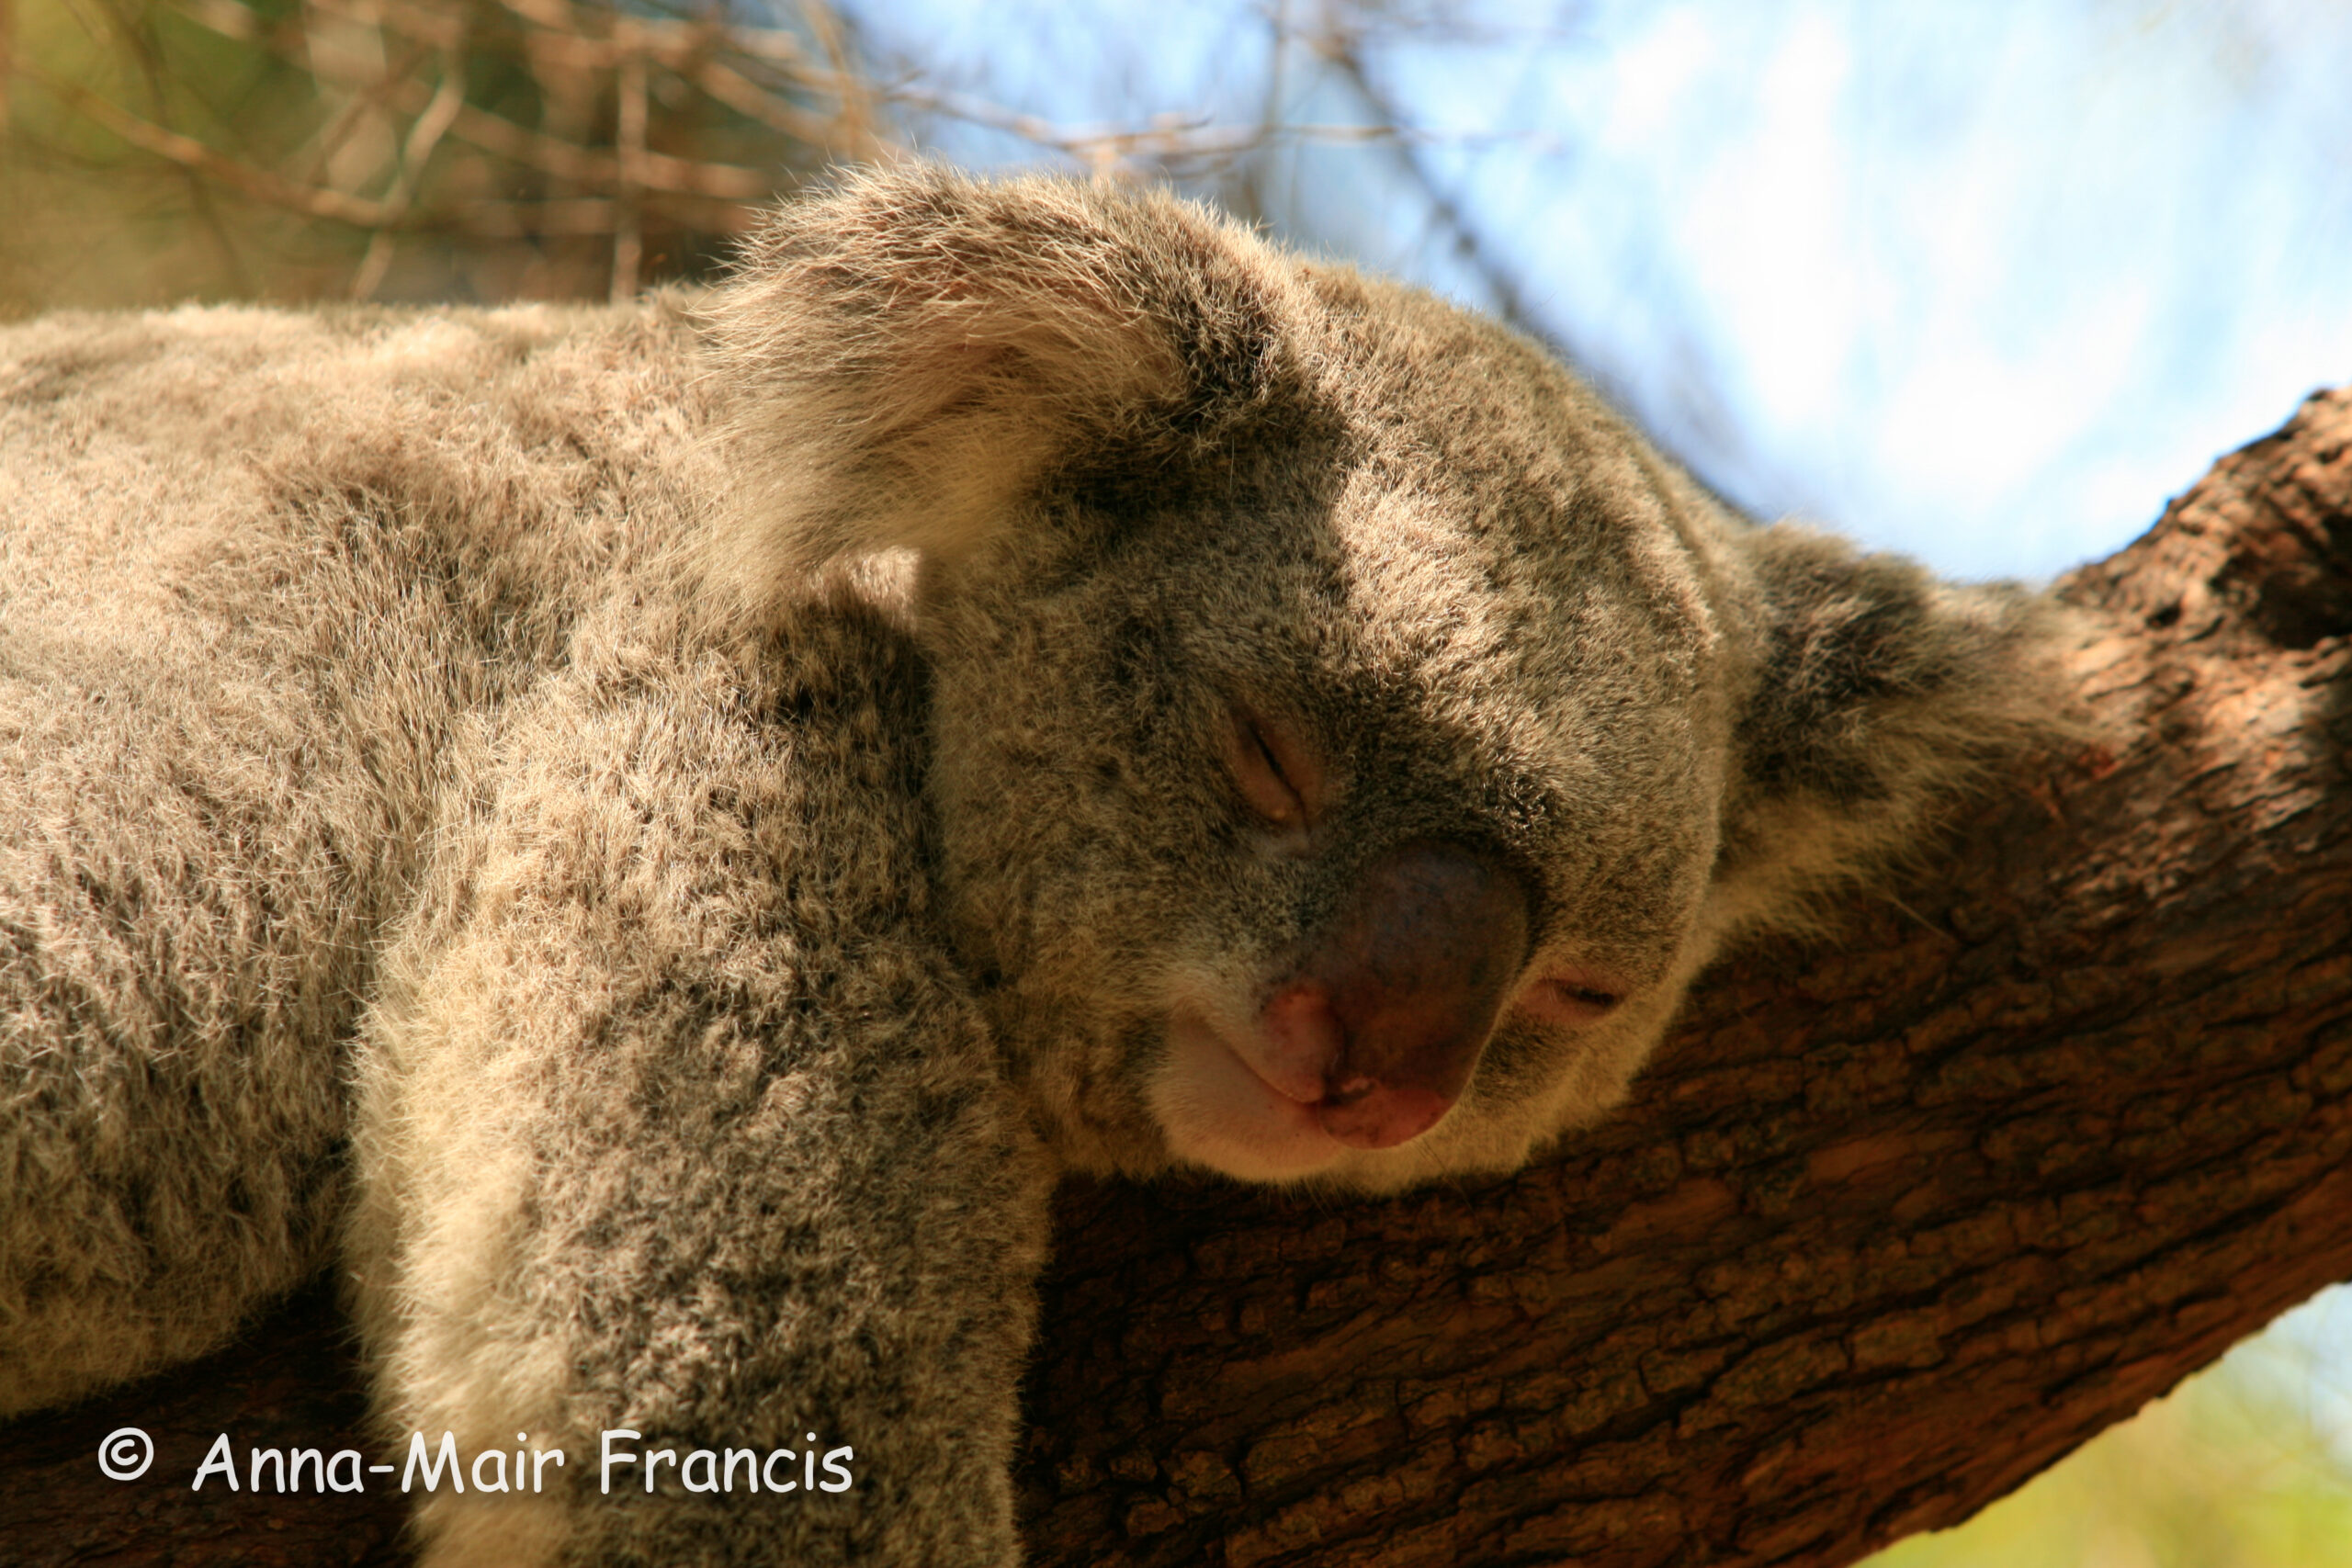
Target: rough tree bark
(1891, 1225)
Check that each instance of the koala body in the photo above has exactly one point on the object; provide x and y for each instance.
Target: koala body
(650, 835)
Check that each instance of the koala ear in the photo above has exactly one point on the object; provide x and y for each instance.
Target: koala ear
(1882, 696)
(903, 361)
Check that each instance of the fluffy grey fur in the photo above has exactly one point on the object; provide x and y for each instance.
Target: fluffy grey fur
(657, 833)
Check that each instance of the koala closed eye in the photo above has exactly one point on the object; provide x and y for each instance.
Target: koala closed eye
(1277, 777)
(1570, 999)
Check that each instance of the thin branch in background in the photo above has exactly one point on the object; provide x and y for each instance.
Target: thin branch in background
(1172, 140)
(186, 152)
(1249, 186)
(1341, 49)
(628, 234)
(357, 106)
(856, 120)
(729, 86)
(139, 44)
(657, 136)
(570, 147)
(423, 136)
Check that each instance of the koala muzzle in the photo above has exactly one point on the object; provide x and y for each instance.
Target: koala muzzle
(1381, 1024)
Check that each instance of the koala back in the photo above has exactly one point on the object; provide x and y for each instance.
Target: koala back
(269, 580)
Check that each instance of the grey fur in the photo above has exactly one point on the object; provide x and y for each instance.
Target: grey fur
(657, 834)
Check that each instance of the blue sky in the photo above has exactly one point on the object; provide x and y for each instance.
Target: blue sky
(1983, 281)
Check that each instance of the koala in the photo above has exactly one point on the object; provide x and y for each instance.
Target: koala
(645, 839)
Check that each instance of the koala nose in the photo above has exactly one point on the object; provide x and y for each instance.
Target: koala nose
(1382, 1024)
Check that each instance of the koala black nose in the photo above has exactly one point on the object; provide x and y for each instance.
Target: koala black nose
(1390, 1010)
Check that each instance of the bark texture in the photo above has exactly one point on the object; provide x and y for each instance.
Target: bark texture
(1891, 1224)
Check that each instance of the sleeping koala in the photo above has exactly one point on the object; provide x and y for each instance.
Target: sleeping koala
(649, 836)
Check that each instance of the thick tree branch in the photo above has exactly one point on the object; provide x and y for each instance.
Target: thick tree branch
(1891, 1224)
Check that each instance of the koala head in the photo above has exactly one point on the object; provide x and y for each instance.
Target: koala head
(1348, 737)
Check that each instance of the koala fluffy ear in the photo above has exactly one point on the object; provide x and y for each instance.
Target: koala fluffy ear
(1882, 696)
(902, 361)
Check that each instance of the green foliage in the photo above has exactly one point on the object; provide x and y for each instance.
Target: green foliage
(422, 149)
(2243, 1466)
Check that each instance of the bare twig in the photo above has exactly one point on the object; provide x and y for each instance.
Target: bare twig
(1171, 139)
(629, 232)
(8, 62)
(371, 99)
(656, 135)
(315, 201)
(859, 122)
(1342, 53)
(422, 137)
(738, 92)
(140, 45)
(553, 155)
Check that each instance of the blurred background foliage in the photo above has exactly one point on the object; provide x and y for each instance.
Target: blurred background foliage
(2248, 1465)
(1980, 278)
(401, 148)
